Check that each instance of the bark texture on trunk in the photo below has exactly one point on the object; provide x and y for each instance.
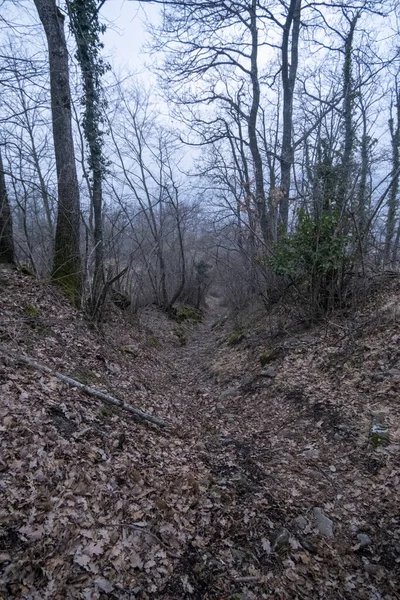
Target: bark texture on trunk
(6, 229)
(86, 30)
(348, 110)
(391, 249)
(252, 129)
(289, 73)
(67, 260)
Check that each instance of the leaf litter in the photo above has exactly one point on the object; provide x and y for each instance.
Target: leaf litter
(222, 504)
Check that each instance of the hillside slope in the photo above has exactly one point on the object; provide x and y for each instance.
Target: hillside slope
(265, 484)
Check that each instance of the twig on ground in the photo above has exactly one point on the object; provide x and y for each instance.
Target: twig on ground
(140, 414)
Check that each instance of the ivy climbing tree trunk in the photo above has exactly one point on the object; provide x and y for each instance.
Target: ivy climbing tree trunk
(6, 229)
(87, 29)
(67, 260)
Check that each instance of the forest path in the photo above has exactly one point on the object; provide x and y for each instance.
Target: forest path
(290, 468)
(192, 373)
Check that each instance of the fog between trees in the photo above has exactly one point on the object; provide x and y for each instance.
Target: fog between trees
(277, 171)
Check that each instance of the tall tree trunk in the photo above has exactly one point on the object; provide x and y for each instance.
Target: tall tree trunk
(289, 73)
(362, 188)
(6, 230)
(391, 249)
(252, 128)
(86, 28)
(67, 259)
(348, 106)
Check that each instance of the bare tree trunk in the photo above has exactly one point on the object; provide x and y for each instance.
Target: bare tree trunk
(394, 127)
(289, 72)
(273, 191)
(174, 200)
(348, 106)
(67, 260)
(6, 230)
(29, 126)
(362, 188)
(252, 128)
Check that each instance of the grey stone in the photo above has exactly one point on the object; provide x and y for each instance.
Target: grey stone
(379, 432)
(113, 368)
(373, 568)
(394, 373)
(270, 372)
(312, 453)
(248, 383)
(324, 523)
(300, 523)
(364, 540)
(231, 392)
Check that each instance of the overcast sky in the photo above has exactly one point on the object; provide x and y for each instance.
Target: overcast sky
(126, 33)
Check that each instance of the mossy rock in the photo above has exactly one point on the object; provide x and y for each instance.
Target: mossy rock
(235, 338)
(188, 313)
(379, 432)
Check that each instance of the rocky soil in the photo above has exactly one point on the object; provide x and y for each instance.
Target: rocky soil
(277, 477)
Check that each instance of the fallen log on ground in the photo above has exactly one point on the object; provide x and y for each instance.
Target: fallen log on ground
(139, 414)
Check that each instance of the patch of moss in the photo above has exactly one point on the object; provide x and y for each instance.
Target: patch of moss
(379, 438)
(71, 284)
(32, 311)
(181, 335)
(153, 342)
(25, 270)
(188, 313)
(235, 338)
(84, 376)
(106, 412)
(268, 356)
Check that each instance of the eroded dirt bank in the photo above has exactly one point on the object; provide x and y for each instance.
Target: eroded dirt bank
(265, 484)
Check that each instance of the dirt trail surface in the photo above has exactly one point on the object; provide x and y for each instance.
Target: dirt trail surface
(268, 482)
